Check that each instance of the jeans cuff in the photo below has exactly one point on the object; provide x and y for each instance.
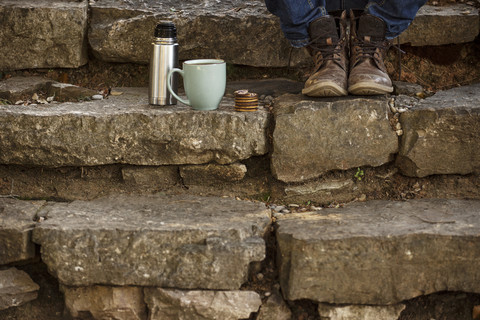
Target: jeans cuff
(299, 43)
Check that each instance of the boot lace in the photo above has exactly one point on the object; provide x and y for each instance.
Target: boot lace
(323, 51)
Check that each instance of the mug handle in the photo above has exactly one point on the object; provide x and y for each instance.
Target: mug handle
(169, 85)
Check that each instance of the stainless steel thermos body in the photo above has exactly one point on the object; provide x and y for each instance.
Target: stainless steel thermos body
(164, 58)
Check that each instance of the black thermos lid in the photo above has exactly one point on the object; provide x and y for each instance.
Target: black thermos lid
(165, 29)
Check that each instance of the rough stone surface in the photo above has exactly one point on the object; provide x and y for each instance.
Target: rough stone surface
(100, 302)
(43, 34)
(161, 175)
(16, 224)
(212, 173)
(380, 252)
(320, 189)
(435, 26)
(184, 242)
(206, 29)
(125, 129)
(406, 88)
(314, 136)
(17, 88)
(200, 25)
(201, 305)
(16, 288)
(274, 308)
(442, 134)
(356, 312)
(69, 92)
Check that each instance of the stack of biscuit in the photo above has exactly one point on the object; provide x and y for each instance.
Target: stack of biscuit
(246, 101)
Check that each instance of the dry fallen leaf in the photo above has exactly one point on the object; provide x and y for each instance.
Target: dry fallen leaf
(35, 96)
(115, 93)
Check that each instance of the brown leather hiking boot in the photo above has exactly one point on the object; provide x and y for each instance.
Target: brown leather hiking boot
(368, 47)
(327, 47)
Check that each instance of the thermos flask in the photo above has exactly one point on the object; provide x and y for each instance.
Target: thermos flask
(164, 58)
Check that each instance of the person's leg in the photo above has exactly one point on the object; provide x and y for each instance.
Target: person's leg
(328, 47)
(306, 23)
(295, 17)
(397, 15)
(371, 33)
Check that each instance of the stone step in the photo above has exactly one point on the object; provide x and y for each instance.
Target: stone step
(182, 242)
(380, 252)
(125, 129)
(241, 32)
(311, 137)
(437, 135)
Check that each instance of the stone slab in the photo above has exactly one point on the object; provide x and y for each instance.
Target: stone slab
(16, 225)
(101, 302)
(156, 175)
(206, 29)
(314, 136)
(184, 242)
(434, 25)
(355, 312)
(16, 88)
(43, 34)
(442, 134)
(16, 288)
(380, 252)
(200, 304)
(126, 129)
(212, 174)
(219, 29)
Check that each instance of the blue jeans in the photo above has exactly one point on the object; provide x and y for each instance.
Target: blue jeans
(296, 15)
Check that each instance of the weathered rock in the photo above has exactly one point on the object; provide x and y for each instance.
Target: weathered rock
(406, 88)
(435, 26)
(140, 175)
(380, 252)
(442, 134)
(69, 92)
(314, 136)
(16, 224)
(211, 174)
(320, 189)
(16, 88)
(201, 305)
(184, 242)
(100, 302)
(125, 129)
(356, 312)
(16, 288)
(43, 34)
(274, 308)
(205, 30)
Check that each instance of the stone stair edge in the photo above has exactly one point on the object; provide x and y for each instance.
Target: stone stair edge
(137, 23)
(248, 131)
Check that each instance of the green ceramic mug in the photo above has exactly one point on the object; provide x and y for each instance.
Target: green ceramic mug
(204, 81)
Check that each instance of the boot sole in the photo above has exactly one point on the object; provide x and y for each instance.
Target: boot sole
(369, 89)
(325, 89)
